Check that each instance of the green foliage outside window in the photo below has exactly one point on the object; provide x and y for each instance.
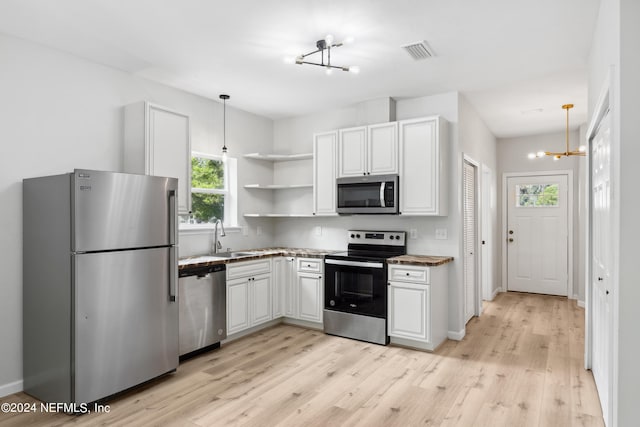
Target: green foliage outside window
(537, 195)
(207, 174)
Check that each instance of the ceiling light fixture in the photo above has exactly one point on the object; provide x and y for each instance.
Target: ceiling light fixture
(323, 45)
(224, 126)
(581, 151)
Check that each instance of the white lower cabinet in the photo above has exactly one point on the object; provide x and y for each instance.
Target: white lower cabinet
(408, 304)
(418, 305)
(284, 271)
(301, 282)
(309, 289)
(249, 300)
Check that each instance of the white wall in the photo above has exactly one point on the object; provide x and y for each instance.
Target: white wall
(614, 51)
(295, 135)
(512, 158)
(61, 112)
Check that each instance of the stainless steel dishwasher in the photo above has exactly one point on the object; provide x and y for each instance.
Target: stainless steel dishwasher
(203, 308)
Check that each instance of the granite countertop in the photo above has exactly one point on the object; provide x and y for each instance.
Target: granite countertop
(205, 260)
(427, 260)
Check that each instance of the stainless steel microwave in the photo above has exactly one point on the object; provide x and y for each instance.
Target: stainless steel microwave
(370, 194)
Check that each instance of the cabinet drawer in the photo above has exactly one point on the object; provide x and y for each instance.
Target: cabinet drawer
(248, 268)
(311, 265)
(409, 273)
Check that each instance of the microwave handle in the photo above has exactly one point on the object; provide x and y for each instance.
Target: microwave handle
(382, 185)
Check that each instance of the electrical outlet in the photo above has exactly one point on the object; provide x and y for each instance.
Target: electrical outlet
(441, 234)
(245, 230)
(258, 231)
(318, 230)
(413, 233)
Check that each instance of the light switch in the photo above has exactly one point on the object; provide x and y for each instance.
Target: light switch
(318, 230)
(441, 234)
(413, 233)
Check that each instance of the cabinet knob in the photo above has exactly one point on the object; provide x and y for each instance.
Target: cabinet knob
(407, 274)
(600, 279)
(511, 239)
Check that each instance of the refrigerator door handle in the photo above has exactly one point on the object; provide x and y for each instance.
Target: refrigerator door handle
(173, 273)
(172, 216)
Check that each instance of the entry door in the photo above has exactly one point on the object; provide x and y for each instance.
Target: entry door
(601, 263)
(537, 234)
(470, 241)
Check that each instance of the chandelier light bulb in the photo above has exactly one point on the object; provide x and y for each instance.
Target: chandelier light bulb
(329, 71)
(348, 40)
(582, 149)
(354, 69)
(532, 155)
(540, 154)
(289, 60)
(329, 40)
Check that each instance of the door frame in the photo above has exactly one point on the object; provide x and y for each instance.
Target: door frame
(487, 235)
(477, 309)
(570, 243)
(604, 103)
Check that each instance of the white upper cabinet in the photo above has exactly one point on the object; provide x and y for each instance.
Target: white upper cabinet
(324, 173)
(382, 149)
(157, 141)
(423, 174)
(352, 152)
(368, 150)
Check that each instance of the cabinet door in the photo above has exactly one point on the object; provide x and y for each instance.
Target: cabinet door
(422, 177)
(310, 287)
(352, 152)
(170, 150)
(382, 149)
(237, 305)
(278, 285)
(324, 173)
(290, 289)
(260, 299)
(409, 311)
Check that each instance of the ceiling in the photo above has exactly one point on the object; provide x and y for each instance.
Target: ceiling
(516, 61)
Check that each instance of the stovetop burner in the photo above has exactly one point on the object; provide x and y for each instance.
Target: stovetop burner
(373, 245)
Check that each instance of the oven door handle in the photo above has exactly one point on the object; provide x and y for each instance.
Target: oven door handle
(354, 263)
(382, 185)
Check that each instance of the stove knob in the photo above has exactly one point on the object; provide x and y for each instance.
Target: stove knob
(391, 237)
(357, 236)
(353, 235)
(397, 237)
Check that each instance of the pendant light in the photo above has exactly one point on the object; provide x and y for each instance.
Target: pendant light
(580, 151)
(224, 126)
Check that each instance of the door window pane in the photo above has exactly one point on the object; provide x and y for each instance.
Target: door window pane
(537, 195)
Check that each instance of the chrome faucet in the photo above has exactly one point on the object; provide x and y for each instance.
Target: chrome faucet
(216, 243)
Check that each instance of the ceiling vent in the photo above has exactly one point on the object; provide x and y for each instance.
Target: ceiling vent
(418, 50)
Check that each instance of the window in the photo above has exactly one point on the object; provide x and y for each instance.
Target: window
(212, 189)
(536, 195)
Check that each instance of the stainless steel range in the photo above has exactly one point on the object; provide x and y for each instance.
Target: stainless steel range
(355, 285)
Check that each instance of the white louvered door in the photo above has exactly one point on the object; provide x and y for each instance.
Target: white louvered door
(470, 240)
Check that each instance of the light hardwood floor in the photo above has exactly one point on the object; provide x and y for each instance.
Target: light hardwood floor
(521, 364)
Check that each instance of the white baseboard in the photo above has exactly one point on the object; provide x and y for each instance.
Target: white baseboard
(580, 303)
(495, 293)
(10, 388)
(456, 335)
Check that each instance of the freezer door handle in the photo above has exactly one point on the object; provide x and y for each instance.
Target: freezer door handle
(172, 216)
(173, 273)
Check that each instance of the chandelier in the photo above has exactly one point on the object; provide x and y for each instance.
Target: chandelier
(323, 47)
(580, 151)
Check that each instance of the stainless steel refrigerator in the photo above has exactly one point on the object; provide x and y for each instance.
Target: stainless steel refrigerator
(100, 272)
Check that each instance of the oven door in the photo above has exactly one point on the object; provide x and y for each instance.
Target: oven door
(358, 287)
